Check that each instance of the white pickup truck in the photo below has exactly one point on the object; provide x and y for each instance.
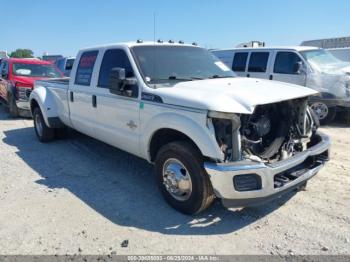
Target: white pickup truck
(208, 133)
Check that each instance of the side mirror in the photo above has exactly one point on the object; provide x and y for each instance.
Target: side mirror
(119, 84)
(298, 68)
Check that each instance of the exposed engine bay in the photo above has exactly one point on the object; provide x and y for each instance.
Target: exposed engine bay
(272, 133)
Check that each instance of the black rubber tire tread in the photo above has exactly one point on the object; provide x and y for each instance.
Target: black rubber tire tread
(332, 112)
(61, 133)
(48, 133)
(202, 192)
(13, 110)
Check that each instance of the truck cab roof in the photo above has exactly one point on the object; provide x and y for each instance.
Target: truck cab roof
(135, 43)
(27, 61)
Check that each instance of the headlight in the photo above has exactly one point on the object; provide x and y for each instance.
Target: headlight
(23, 92)
(226, 126)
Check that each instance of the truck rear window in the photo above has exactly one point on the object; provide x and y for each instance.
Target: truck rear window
(85, 68)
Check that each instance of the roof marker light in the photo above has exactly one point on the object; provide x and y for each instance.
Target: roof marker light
(160, 41)
(139, 41)
(181, 42)
(171, 41)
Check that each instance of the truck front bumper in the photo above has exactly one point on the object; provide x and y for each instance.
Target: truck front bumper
(246, 183)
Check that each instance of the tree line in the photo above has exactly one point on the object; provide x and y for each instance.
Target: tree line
(22, 53)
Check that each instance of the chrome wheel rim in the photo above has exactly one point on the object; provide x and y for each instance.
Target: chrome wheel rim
(177, 179)
(38, 125)
(320, 109)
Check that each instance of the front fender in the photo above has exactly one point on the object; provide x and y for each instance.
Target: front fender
(200, 134)
(45, 101)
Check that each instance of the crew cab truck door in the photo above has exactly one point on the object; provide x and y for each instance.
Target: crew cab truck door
(117, 115)
(258, 64)
(288, 67)
(80, 93)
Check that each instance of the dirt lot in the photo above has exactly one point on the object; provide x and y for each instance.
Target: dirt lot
(78, 195)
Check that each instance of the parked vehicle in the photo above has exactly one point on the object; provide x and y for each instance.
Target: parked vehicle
(208, 133)
(337, 46)
(65, 64)
(307, 66)
(335, 42)
(17, 80)
(51, 58)
(342, 54)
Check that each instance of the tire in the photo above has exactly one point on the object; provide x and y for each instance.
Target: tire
(13, 109)
(181, 156)
(42, 131)
(61, 133)
(324, 113)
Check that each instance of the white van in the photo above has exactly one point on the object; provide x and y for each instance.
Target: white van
(312, 67)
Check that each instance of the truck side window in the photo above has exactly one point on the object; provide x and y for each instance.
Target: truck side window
(85, 68)
(284, 63)
(239, 62)
(111, 59)
(69, 64)
(4, 69)
(258, 62)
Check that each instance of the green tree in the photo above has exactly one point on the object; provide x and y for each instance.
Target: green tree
(22, 53)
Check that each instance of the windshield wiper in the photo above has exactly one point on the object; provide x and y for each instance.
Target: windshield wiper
(218, 76)
(179, 78)
(175, 78)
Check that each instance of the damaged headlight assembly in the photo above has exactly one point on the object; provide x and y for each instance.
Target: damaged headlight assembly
(226, 127)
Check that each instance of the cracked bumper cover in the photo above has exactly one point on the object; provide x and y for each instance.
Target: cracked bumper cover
(222, 175)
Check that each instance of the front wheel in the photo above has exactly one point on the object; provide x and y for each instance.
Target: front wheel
(181, 177)
(324, 113)
(43, 132)
(13, 109)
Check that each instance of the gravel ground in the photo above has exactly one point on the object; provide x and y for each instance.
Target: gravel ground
(80, 196)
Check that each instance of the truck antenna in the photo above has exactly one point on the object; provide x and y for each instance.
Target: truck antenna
(154, 46)
(154, 27)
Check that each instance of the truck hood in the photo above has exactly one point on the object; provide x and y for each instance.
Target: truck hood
(230, 95)
(27, 80)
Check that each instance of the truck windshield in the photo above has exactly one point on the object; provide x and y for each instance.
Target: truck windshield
(321, 59)
(162, 64)
(35, 70)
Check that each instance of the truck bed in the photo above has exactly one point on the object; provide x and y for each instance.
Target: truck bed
(56, 96)
(55, 82)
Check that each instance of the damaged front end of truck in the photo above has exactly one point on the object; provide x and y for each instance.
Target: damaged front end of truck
(267, 153)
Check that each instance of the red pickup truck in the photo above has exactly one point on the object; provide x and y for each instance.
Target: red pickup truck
(17, 76)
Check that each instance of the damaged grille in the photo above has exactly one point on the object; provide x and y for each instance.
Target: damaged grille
(276, 131)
